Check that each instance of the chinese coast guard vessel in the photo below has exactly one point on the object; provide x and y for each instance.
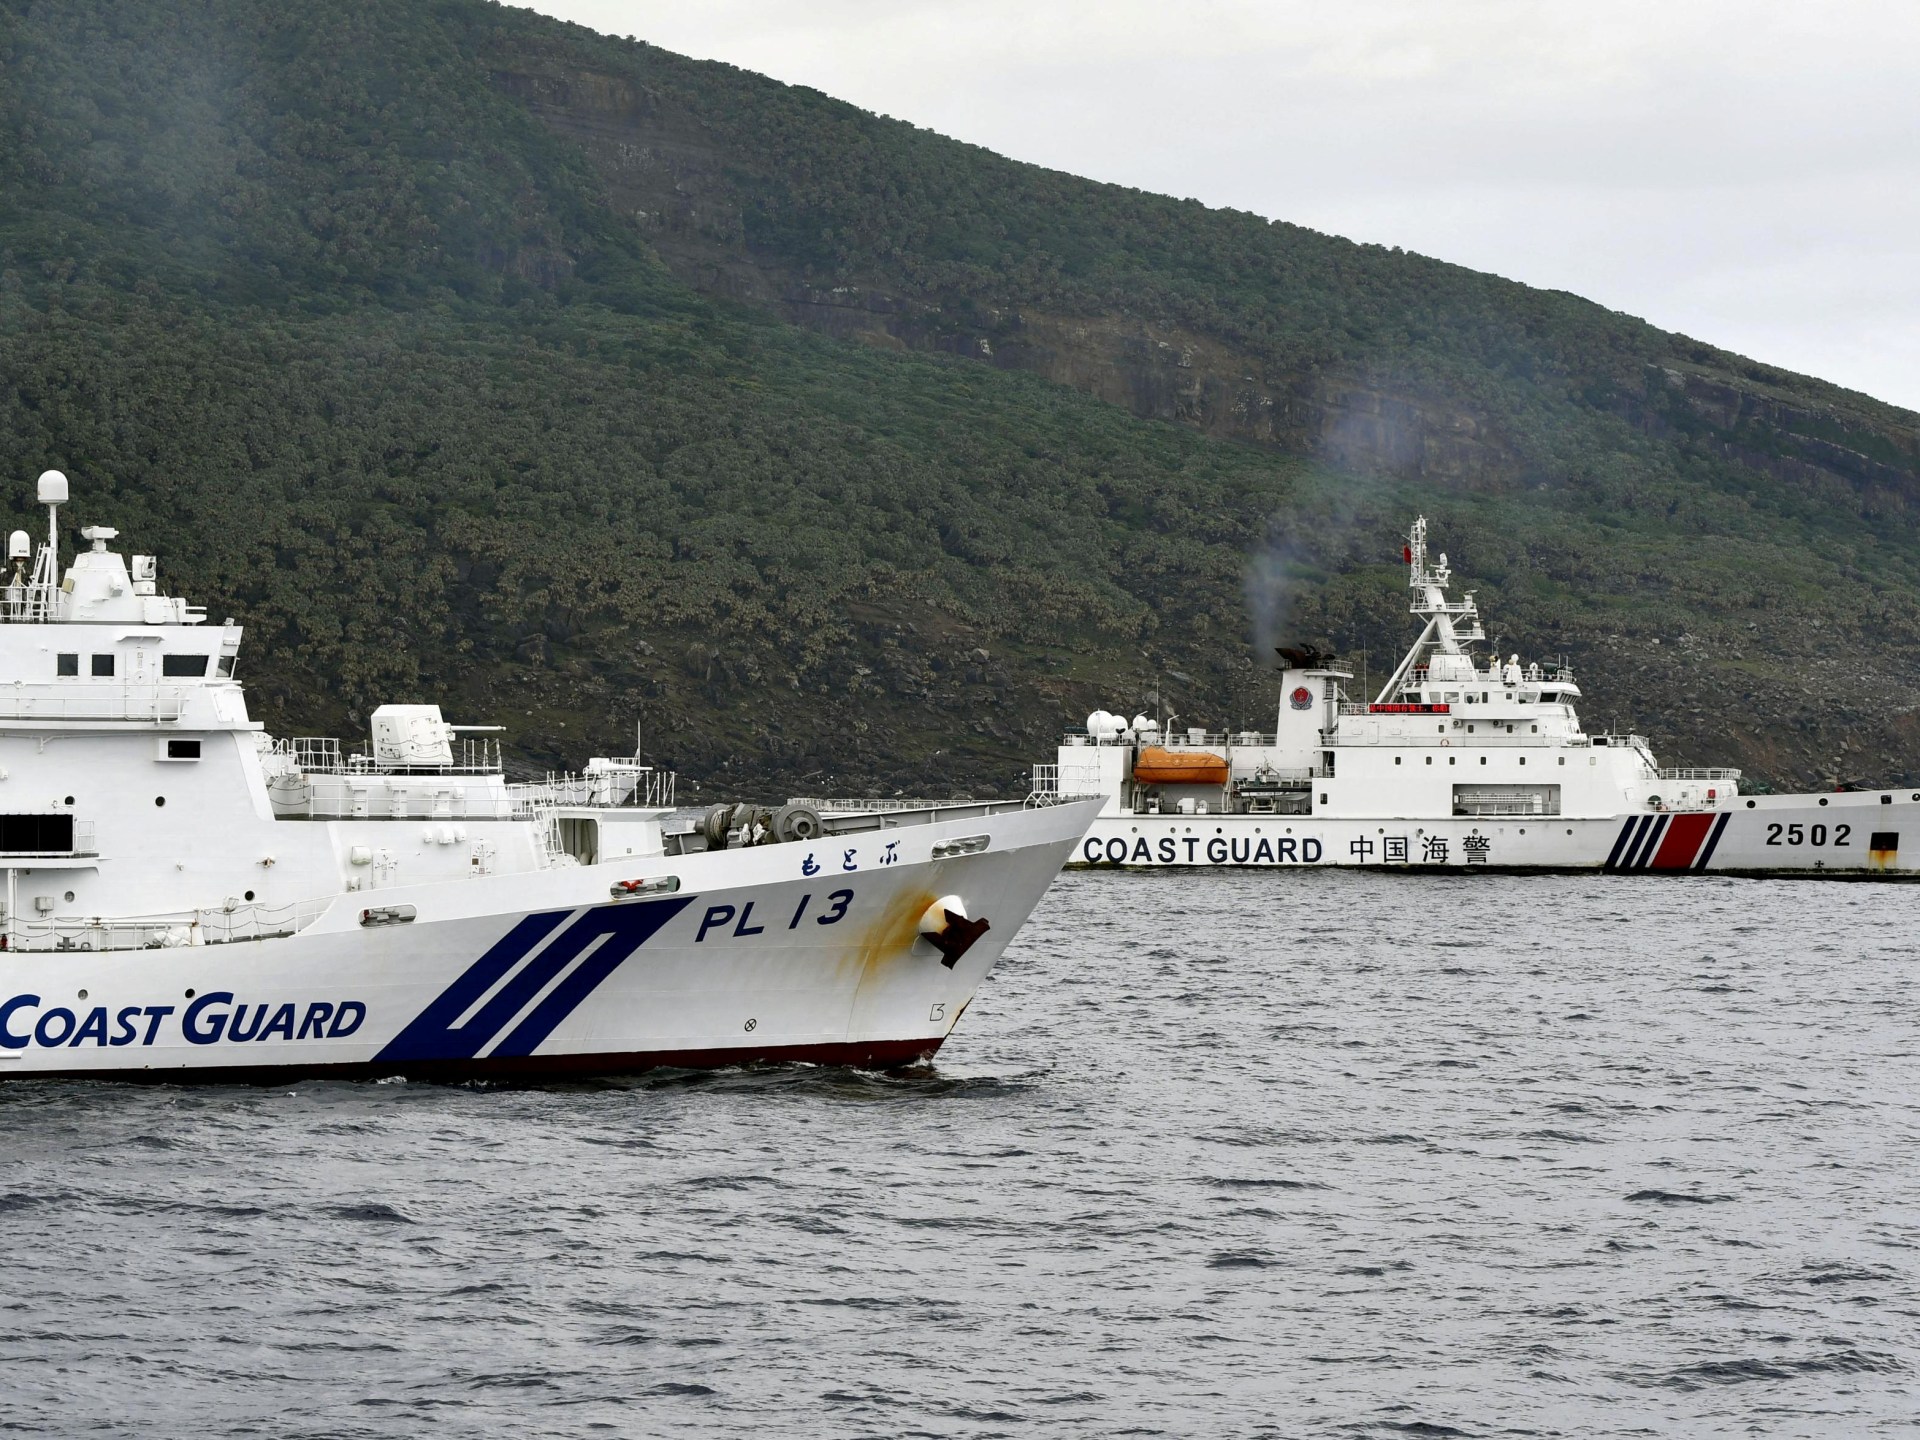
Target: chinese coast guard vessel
(1456, 764)
(188, 898)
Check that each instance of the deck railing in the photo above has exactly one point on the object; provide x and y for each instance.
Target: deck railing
(640, 787)
(1179, 739)
(109, 702)
(221, 925)
(322, 755)
(869, 805)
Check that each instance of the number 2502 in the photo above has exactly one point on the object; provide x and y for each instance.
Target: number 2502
(1807, 834)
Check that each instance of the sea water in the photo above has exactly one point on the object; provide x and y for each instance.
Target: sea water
(1298, 1153)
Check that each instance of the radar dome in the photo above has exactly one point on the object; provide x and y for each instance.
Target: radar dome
(53, 488)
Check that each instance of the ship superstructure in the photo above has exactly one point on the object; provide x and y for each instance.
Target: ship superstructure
(186, 895)
(1457, 762)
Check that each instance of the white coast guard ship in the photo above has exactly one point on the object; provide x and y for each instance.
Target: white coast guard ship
(186, 897)
(1456, 764)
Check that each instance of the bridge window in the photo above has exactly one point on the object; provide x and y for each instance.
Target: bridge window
(66, 664)
(183, 664)
(36, 833)
(183, 749)
(103, 664)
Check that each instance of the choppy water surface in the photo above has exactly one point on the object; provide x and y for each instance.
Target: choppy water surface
(1259, 1154)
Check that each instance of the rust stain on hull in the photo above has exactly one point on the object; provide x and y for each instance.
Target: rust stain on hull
(891, 933)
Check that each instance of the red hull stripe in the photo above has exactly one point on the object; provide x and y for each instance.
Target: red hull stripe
(1682, 843)
(863, 1055)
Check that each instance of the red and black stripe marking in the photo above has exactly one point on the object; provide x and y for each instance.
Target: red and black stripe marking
(1667, 842)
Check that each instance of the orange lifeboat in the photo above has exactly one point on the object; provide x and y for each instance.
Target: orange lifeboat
(1156, 766)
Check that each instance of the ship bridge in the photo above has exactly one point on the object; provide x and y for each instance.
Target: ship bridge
(100, 645)
(1448, 735)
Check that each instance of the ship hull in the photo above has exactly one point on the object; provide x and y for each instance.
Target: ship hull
(1850, 835)
(785, 952)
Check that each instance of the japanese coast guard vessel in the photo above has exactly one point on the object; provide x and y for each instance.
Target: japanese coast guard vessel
(187, 898)
(1457, 763)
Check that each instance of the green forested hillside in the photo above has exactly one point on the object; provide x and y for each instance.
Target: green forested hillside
(468, 355)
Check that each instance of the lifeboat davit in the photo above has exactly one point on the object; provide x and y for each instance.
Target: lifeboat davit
(1156, 766)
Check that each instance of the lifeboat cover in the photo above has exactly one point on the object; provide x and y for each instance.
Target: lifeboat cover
(1157, 766)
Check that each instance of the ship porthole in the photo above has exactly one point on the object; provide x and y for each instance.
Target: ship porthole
(1823, 799)
(1749, 804)
(159, 799)
(69, 799)
(249, 894)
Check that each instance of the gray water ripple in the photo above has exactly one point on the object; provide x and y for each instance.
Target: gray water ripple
(1241, 1155)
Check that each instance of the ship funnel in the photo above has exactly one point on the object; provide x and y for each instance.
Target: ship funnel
(1303, 657)
(53, 488)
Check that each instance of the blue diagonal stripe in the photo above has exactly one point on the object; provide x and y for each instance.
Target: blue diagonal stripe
(432, 1035)
(627, 928)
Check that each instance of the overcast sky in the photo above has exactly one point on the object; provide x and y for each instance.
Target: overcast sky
(1745, 171)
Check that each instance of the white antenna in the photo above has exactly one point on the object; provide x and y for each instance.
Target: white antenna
(46, 569)
(53, 494)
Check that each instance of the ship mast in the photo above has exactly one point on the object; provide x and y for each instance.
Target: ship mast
(44, 588)
(1452, 625)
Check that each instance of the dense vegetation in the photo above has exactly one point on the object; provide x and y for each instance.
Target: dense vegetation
(307, 300)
